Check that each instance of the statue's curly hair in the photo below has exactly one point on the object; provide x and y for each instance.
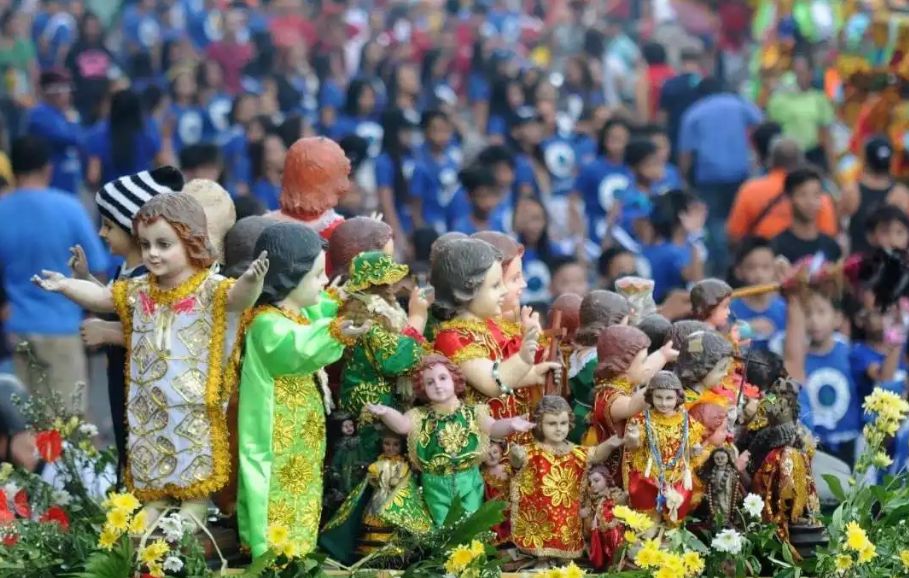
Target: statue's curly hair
(431, 360)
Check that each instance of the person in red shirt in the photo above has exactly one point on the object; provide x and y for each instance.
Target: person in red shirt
(656, 72)
(231, 52)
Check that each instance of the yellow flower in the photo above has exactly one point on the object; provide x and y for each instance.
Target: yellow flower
(154, 552)
(6, 470)
(477, 548)
(126, 502)
(155, 569)
(630, 537)
(118, 519)
(881, 460)
(459, 559)
(278, 536)
(856, 539)
(671, 567)
(635, 520)
(572, 571)
(904, 558)
(867, 553)
(108, 538)
(139, 523)
(843, 562)
(693, 563)
(649, 556)
(290, 550)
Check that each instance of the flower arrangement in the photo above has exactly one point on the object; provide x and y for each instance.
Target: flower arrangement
(868, 531)
(467, 561)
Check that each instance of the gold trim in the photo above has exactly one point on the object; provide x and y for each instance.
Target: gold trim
(168, 297)
(221, 465)
(367, 273)
(334, 329)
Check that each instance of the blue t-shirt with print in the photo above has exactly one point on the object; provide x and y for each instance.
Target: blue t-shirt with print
(599, 184)
(830, 396)
(774, 315)
(560, 157)
(191, 125)
(524, 176)
(667, 261)
(864, 356)
(435, 182)
(65, 139)
(364, 127)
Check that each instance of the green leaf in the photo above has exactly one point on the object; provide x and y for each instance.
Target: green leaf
(836, 488)
(107, 565)
(489, 514)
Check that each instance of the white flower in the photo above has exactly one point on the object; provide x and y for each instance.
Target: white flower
(11, 489)
(173, 564)
(61, 497)
(728, 541)
(88, 429)
(172, 527)
(754, 505)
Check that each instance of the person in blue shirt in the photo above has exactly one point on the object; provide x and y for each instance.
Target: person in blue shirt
(531, 226)
(599, 183)
(39, 225)
(765, 313)
(715, 155)
(503, 164)
(506, 98)
(267, 159)
(526, 135)
(672, 178)
(877, 356)
(188, 120)
(484, 211)
(359, 116)
(234, 145)
(642, 159)
(331, 101)
(55, 121)
(434, 74)
(142, 31)
(127, 143)
(394, 169)
(821, 364)
(53, 30)
(669, 242)
(435, 176)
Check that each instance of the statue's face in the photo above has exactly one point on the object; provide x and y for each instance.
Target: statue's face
(718, 373)
(391, 447)
(515, 284)
(720, 459)
(438, 384)
(347, 427)
(311, 285)
(720, 316)
(664, 400)
(555, 427)
(491, 294)
(597, 483)
(494, 455)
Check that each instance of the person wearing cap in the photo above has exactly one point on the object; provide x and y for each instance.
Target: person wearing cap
(118, 202)
(55, 120)
(38, 226)
(875, 187)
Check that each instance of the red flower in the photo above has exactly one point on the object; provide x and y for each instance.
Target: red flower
(50, 445)
(146, 575)
(11, 539)
(56, 514)
(20, 504)
(6, 516)
(185, 306)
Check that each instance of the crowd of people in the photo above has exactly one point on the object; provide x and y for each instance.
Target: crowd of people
(610, 138)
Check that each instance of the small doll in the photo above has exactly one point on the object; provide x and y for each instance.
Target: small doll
(778, 461)
(240, 242)
(389, 350)
(512, 275)
(624, 365)
(604, 530)
(549, 484)
(315, 178)
(661, 443)
(177, 325)
(446, 439)
(723, 488)
(286, 341)
(220, 213)
(599, 309)
(355, 236)
(497, 474)
(469, 293)
(386, 502)
(348, 459)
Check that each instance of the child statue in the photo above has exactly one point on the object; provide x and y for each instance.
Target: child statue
(287, 341)
(355, 236)
(386, 502)
(624, 365)
(606, 533)
(661, 443)
(177, 326)
(497, 473)
(469, 292)
(348, 459)
(599, 309)
(549, 484)
(723, 490)
(703, 365)
(446, 439)
(567, 307)
(710, 300)
(389, 350)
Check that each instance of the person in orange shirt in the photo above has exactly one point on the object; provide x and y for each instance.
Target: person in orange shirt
(761, 208)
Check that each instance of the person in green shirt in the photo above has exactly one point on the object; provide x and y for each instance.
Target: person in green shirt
(18, 58)
(284, 343)
(806, 115)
